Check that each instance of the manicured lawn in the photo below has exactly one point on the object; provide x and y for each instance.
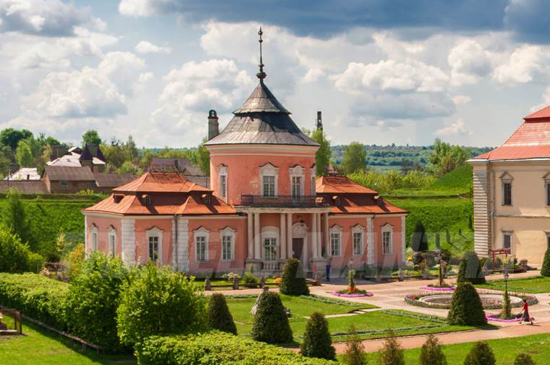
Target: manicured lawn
(41, 347)
(369, 325)
(534, 285)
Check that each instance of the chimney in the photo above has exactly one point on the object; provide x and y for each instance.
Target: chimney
(213, 126)
(319, 122)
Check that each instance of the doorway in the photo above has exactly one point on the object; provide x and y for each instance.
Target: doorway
(297, 247)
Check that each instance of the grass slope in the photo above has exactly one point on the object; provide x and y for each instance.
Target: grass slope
(534, 285)
(458, 181)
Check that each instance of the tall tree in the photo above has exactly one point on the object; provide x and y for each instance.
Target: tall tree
(91, 137)
(23, 154)
(323, 154)
(11, 137)
(355, 157)
(15, 219)
(446, 158)
(203, 158)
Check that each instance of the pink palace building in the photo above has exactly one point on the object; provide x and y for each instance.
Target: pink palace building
(265, 205)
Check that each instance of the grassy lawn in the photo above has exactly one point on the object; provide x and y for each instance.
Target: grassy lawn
(534, 285)
(369, 325)
(41, 347)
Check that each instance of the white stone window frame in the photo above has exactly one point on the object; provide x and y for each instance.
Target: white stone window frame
(297, 171)
(111, 234)
(150, 233)
(94, 235)
(510, 233)
(358, 229)
(387, 229)
(224, 189)
(270, 232)
(313, 178)
(506, 178)
(231, 233)
(202, 232)
(269, 170)
(336, 231)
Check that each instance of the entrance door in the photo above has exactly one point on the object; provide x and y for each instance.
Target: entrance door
(297, 246)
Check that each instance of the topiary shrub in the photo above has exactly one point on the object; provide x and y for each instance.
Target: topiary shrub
(470, 269)
(391, 353)
(419, 238)
(545, 270)
(466, 307)
(159, 301)
(431, 353)
(271, 322)
(317, 341)
(524, 359)
(480, 354)
(355, 351)
(219, 316)
(294, 280)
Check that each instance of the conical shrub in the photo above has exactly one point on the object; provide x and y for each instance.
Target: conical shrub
(466, 307)
(355, 351)
(470, 269)
(391, 353)
(545, 271)
(271, 322)
(524, 359)
(219, 316)
(317, 340)
(480, 354)
(294, 280)
(431, 352)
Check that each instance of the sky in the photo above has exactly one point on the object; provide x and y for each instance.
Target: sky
(381, 71)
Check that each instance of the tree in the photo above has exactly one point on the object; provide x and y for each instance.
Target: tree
(466, 307)
(91, 137)
(219, 316)
(446, 158)
(203, 158)
(419, 238)
(431, 353)
(480, 354)
(391, 353)
(14, 217)
(545, 271)
(271, 322)
(470, 269)
(524, 359)
(294, 280)
(323, 154)
(15, 257)
(317, 341)
(355, 351)
(355, 157)
(23, 154)
(10, 137)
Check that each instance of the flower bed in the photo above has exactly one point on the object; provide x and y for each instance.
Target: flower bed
(439, 288)
(495, 318)
(356, 295)
(416, 299)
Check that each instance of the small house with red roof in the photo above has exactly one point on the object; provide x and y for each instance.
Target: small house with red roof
(264, 205)
(512, 192)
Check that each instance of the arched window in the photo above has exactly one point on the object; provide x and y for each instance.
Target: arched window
(357, 237)
(270, 236)
(297, 176)
(227, 237)
(94, 237)
(202, 237)
(269, 176)
(112, 241)
(387, 239)
(335, 241)
(154, 245)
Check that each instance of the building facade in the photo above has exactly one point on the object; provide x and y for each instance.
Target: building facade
(512, 193)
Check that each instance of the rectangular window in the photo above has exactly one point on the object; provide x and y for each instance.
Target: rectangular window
(154, 248)
(112, 244)
(200, 246)
(94, 241)
(386, 243)
(296, 186)
(63, 183)
(548, 240)
(223, 186)
(358, 243)
(269, 186)
(507, 193)
(548, 194)
(507, 240)
(335, 244)
(270, 249)
(227, 248)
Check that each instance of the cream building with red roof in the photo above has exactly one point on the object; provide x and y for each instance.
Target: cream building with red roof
(512, 192)
(265, 205)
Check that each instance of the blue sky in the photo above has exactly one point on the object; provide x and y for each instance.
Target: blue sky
(382, 71)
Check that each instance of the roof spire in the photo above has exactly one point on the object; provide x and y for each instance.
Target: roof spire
(261, 75)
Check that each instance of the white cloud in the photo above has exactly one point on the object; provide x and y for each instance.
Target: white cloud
(522, 66)
(456, 128)
(313, 75)
(148, 47)
(469, 63)
(137, 8)
(461, 99)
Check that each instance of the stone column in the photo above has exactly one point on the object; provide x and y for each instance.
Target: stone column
(314, 235)
(325, 232)
(370, 241)
(289, 234)
(403, 241)
(257, 236)
(319, 236)
(282, 236)
(250, 226)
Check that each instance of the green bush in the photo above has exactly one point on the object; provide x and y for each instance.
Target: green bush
(271, 322)
(14, 217)
(545, 270)
(317, 341)
(93, 300)
(219, 316)
(158, 301)
(471, 269)
(217, 348)
(15, 257)
(355, 351)
(524, 359)
(391, 353)
(466, 307)
(294, 280)
(480, 354)
(249, 277)
(431, 353)
(419, 238)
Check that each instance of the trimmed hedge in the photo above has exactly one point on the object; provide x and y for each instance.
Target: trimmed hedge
(471, 269)
(219, 316)
(271, 322)
(466, 307)
(480, 354)
(317, 340)
(294, 280)
(217, 348)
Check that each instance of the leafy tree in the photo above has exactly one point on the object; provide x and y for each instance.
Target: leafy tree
(391, 353)
(355, 351)
(156, 301)
(480, 354)
(323, 154)
(466, 307)
(91, 137)
(23, 154)
(431, 353)
(15, 257)
(10, 137)
(271, 322)
(14, 217)
(545, 271)
(131, 150)
(419, 238)
(446, 158)
(219, 316)
(293, 281)
(203, 158)
(317, 341)
(524, 359)
(355, 157)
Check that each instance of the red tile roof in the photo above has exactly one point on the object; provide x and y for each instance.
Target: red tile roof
(160, 182)
(340, 185)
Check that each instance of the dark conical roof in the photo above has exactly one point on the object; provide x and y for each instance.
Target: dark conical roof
(262, 119)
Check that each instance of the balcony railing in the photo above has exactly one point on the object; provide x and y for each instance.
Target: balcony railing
(283, 201)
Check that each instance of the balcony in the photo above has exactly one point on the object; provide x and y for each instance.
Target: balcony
(283, 201)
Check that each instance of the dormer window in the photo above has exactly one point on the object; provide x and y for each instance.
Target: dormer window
(206, 198)
(269, 176)
(117, 198)
(146, 199)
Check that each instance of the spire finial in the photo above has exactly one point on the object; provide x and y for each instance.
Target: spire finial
(261, 75)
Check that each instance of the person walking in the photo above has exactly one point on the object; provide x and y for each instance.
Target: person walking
(327, 268)
(525, 317)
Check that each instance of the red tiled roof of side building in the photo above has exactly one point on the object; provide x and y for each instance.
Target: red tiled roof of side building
(340, 185)
(161, 182)
(365, 204)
